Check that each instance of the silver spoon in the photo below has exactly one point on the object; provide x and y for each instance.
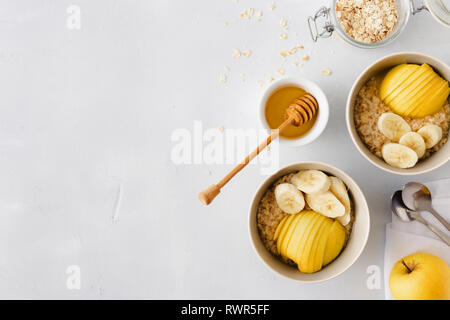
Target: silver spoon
(416, 196)
(406, 215)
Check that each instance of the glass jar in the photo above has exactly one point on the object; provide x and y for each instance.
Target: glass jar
(405, 8)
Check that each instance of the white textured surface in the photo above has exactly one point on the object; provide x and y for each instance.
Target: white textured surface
(85, 122)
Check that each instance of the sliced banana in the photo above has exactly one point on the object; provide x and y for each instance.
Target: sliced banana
(339, 189)
(431, 133)
(414, 141)
(398, 155)
(326, 204)
(393, 126)
(311, 181)
(345, 219)
(289, 198)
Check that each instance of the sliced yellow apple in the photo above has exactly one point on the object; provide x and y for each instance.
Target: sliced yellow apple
(318, 250)
(313, 218)
(289, 232)
(335, 243)
(408, 82)
(401, 100)
(292, 247)
(304, 265)
(418, 98)
(433, 103)
(395, 77)
(279, 227)
(283, 231)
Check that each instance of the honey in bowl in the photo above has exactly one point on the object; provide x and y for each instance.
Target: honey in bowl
(275, 111)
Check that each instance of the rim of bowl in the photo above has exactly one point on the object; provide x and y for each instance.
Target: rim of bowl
(348, 116)
(363, 203)
(322, 116)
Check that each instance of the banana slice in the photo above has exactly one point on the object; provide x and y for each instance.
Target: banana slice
(326, 204)
(414, 141)
(339, 189)
(345, 219)
(399, 156)
(432, 134)
(311, 181)
(288, 198)
(393, 126)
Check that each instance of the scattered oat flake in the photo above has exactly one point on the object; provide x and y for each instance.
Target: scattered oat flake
(300, 47)
(295, 63)
(220, 128)
(283, 54)
(271, 79)
(227, 68)
(225, 23)
(305, 58)
(280, 71)
(247, 53)
(283, 22)
(236, 53)
(283, 36)
(223, 78)
(326, 72)
(258, 13)
(271, 6)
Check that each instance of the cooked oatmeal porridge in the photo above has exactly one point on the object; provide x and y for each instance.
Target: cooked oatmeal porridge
(270, 215)
(368, 109)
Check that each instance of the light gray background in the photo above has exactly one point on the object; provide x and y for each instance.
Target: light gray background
(86, 117)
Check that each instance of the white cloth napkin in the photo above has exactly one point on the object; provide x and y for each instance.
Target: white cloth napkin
(403, 238)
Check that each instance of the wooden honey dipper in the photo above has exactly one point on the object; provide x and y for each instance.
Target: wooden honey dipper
(301, 110)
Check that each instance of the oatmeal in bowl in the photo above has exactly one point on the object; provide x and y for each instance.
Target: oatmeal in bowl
(398, 113)
(309, 222)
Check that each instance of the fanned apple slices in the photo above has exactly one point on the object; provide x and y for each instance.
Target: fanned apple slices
(309, 239)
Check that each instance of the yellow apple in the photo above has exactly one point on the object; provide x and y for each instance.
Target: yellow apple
(420, 97)
(289, 233)
(279, 227)
(304, 263)
(420, 276)
(435, 102)
(316, 255)
(292, 247)
(284, 228)
(335, 242)
(415, 77)
(306, 230)
(395, 78)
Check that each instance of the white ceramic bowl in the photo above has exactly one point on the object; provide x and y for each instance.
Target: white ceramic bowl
(437, 159)
(351, 252)
(322, 116)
